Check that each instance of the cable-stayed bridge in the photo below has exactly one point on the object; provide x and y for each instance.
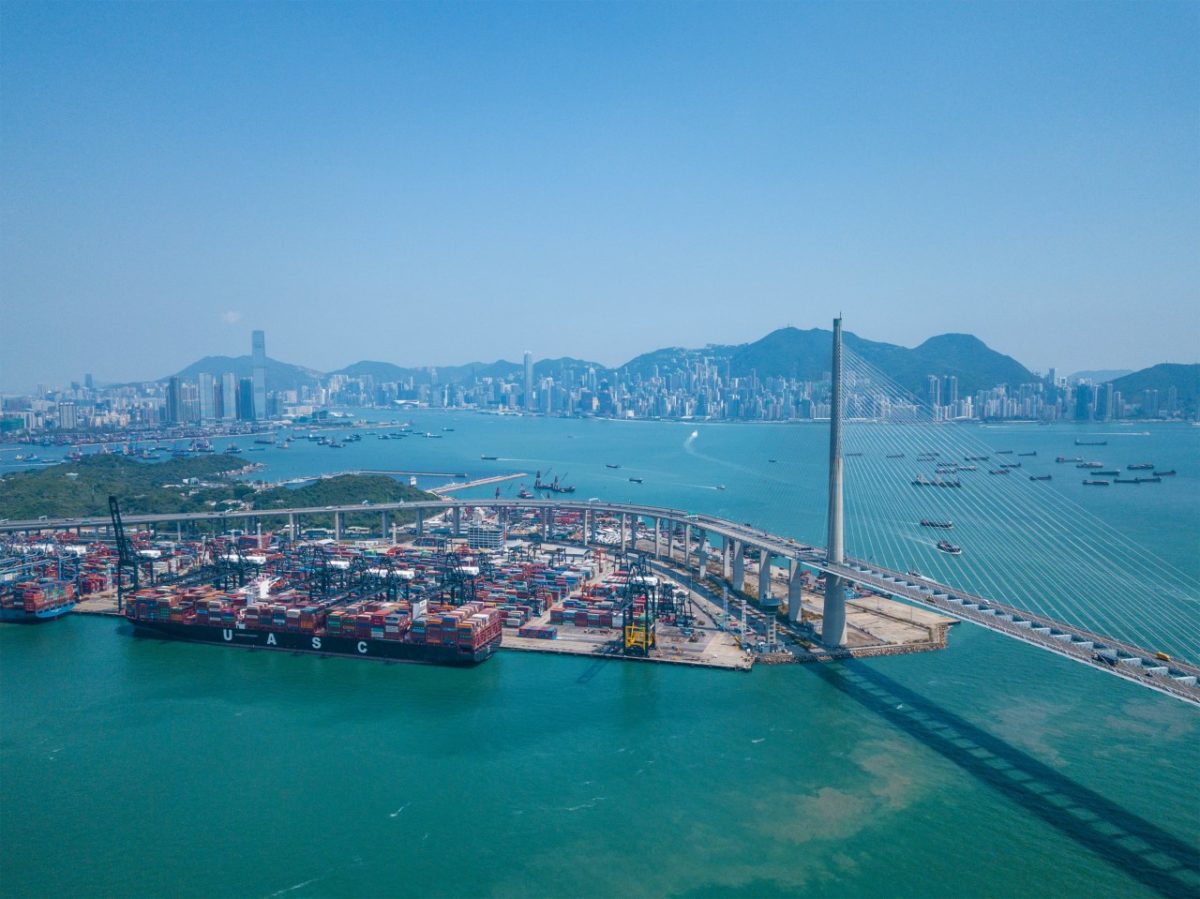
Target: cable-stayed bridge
(1031, 564)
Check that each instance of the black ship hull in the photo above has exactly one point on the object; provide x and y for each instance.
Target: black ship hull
(318, 644)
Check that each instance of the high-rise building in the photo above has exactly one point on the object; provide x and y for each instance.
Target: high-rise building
(258, 352)
(245, 399)
(173, 403)
(935, 391)
(529, 381)
(951, 392)
(229, 409)
(66, 417)
(208, 397)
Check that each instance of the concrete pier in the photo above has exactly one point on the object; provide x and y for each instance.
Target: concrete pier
(833, 633)
(739, 567)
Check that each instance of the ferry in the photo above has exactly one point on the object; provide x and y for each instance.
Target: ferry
(947, 547)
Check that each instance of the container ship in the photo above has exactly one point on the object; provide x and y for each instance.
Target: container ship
(30, 602)
(396, 631)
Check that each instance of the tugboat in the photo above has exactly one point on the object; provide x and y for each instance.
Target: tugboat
(947, 547)
(611, 465)
(931, 523)
(636, 480)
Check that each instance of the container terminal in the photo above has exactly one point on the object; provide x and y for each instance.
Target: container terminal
(424, 595)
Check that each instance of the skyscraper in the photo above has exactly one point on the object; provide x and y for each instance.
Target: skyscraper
(208, 403)
(258, 350)
(935, 391)
(173, 410)
(229, 408)
(245, 400)
(529, 381)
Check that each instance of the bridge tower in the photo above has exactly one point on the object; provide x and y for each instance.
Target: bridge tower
(833, 631)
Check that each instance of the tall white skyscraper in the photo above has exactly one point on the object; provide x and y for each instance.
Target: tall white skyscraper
(258, 350)
(208, 397)
(529, 381)
(229, 396)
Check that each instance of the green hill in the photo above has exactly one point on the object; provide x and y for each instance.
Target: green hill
(1184, 378)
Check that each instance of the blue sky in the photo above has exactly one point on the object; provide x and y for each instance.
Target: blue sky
(434, 184)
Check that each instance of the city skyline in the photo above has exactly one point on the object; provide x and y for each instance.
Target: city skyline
(431, 184)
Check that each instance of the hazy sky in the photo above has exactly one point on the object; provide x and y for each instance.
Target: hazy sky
(434, 184)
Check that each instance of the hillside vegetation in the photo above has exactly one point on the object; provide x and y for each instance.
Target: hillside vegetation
(81, 489)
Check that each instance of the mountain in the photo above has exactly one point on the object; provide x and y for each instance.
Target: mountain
(280, 375)
(1184, 378)
(807, 355)
(1099, 376)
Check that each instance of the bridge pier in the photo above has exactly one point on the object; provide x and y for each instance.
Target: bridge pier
(764, 575)
(624, 529)
(383, 525)
(420, 522)
(657, 537)
(293, 526)
(739, 566)
(339, 521)
(795, 595)
(456, 518)
(726, 546)
(702, 557)
(547, 522)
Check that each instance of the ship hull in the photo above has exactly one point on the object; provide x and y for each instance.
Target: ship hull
(318, 644)
(20, 616)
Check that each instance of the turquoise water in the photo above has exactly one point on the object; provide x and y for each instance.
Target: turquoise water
(134, 767)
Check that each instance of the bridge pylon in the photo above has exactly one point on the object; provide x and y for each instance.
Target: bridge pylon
(833, 630)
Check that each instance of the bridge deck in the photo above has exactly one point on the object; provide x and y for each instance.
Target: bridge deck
(1174, 677)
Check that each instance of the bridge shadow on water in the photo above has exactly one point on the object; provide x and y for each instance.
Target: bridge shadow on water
(1133, 845)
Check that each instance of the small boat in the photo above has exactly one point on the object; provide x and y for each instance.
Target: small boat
(947, 547)
(931, 523)
(720, 486)
(1088, 483)
(1039, 477)
(636, 480)
(773, 461)
(489, 458)
(611, 465)
(1079, 442)
(1165, 474)
(1141, 466)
